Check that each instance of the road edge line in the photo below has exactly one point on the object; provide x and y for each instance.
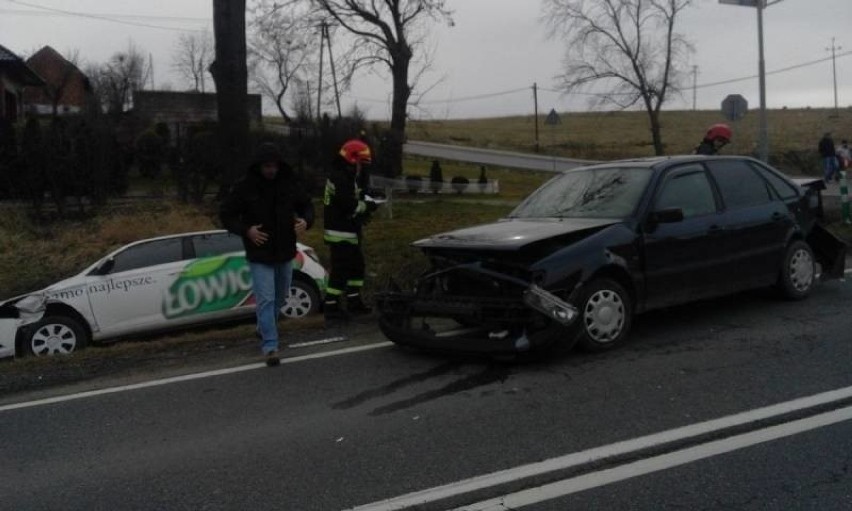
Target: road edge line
(186, 377)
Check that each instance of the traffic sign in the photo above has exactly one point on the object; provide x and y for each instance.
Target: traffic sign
(734, 107)
(553, 118)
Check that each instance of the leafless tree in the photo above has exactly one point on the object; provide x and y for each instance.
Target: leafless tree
(628, 46)
(387, 33)
(280, 48)
(192, 56)
(114, 81)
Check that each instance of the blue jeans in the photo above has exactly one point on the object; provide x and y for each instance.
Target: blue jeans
(271, 287)
(830, 167)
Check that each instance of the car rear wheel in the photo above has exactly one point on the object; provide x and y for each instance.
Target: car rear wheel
(606, 313)
(798, 275)
(55, 335)
(303, 300)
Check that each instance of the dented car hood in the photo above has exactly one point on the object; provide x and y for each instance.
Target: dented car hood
(514, 234)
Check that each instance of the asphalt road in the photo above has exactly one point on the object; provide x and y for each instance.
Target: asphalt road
(352, 429)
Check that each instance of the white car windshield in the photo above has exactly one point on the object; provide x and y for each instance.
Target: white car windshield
(592, 193)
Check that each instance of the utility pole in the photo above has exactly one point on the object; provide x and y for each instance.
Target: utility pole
(319, 87)
(333, 71)
(833, 51)
(151, 70)
(694, 88)
(763, 133)
(535, 99)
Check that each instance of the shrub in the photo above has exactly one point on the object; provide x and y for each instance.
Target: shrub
(459, 184)
(413, 183)
(150, 152)
(483, 181)
(436, 177)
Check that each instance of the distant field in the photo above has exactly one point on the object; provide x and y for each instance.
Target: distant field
(612, 135)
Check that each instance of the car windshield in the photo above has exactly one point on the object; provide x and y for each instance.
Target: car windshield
(593, 193)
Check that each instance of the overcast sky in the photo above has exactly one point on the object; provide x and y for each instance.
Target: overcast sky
(496, 46)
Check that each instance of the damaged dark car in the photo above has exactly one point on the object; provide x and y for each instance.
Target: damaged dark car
(594, 246)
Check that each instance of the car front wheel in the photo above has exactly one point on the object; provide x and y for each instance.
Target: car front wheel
(798, 275)
(55, 335)
(606, 313)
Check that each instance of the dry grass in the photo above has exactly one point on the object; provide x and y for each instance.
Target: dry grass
(33, 256)
(612, 135)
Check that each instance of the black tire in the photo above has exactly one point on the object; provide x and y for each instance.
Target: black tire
(55, 335)
(798, 273)
(605, 315)
(304, 299)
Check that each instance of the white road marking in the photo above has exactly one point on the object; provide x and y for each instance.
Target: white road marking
(663, 462)
(188, 377)
(330, 340)
(577, 459)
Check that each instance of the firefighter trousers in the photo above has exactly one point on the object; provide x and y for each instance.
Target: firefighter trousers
(347, 269)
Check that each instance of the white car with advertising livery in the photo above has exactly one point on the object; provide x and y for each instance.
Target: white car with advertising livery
(151, 285)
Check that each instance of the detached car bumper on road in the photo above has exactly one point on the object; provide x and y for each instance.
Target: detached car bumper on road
(595, 246)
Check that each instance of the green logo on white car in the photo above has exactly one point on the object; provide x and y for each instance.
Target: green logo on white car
(208, 285)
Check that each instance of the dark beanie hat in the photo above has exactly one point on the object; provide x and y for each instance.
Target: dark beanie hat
(267, 153)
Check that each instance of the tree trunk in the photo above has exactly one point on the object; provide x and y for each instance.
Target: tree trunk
(399, 113)
(230, 73)
(656, 132)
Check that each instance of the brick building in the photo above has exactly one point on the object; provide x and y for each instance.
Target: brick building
(66, 88)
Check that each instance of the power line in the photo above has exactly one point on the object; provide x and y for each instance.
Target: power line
(26, 12)
(775, 72)
(99, 17)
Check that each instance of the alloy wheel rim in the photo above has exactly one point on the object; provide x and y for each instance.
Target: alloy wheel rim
(299, 303)
(801, 270)
(604, 316)
(53, 339)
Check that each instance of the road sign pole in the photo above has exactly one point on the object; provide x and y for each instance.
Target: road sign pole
(763, 136)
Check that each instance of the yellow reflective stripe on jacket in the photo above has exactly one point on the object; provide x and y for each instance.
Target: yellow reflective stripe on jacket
(332, 236)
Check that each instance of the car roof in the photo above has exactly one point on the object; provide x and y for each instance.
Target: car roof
(660, 162)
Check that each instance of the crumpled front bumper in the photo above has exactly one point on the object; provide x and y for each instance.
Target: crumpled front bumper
(492, 325)
(14, 315)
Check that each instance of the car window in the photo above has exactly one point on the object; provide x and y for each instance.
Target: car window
(591, 193)
(210, 245)
(739, 184)
(689, 190)
(782, 187)
(150, 253)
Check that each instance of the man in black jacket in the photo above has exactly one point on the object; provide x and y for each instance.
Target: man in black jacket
(346, 211)
(269, 209)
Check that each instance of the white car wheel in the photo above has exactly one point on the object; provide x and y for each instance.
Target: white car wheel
(303, 300)
(55, 335)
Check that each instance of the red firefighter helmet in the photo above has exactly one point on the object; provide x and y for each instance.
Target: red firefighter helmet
(354, 151)
(719, 132)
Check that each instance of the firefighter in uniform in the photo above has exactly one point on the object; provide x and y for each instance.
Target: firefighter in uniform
(346, 211)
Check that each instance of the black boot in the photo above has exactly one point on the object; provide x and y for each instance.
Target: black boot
(356, 306)
(335, 317)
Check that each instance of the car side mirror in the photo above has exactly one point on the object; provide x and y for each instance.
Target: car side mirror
(105, 267)
(667, 216)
